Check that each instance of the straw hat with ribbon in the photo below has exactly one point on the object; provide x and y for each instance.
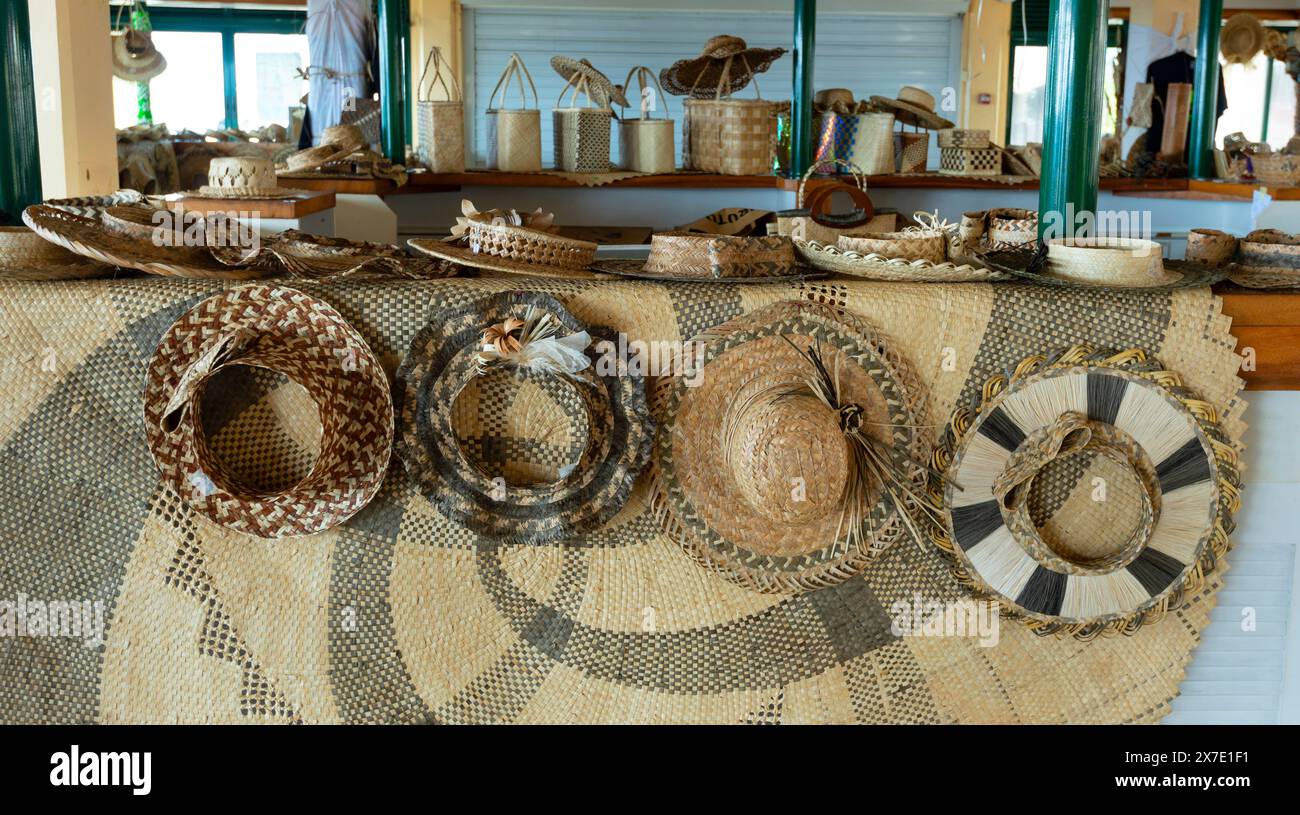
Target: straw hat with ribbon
(787, 453)
(725, 66)
(1103, 262)
(285, 331)
(336, 143)
(714, 259)
(513, 425)
(1242, 38)
(510, 241)
(914, 106)
(25, 255)
(238, 177)
(598, 86)
(1075, 563)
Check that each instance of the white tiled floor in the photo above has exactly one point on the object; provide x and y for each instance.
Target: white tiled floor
(1254, 676)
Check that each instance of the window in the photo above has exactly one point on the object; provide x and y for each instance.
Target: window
(226, 68)
(1261, 101)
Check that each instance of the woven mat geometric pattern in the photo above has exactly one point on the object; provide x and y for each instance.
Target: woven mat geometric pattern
(401, 616)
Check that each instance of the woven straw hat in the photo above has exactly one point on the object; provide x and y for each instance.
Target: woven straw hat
(134, 57)
(1093, 565)
(237, 177)
(695, 256)
(89, 238)
(722, 56)
(285, 331)
(1267, 259)
(602, 91)
(511, 426)
(1242, 38)
(510, 241)
(1118, 263)
(336, 143)
(914, 106)
(759, 478)
(25, 255)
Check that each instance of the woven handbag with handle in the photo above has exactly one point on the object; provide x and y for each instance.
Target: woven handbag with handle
(646, 144)
(581, 131)
(440, 123)
(730, 136)
(863, 139)
(809, 221)
(514, 134)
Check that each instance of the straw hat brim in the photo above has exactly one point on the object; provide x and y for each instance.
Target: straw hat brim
(308, 341)
(832, 259)
(132, 68)
(88, 238)
(911, 114)
(699, 502)
(636, 268)
(239, 193)
(441, 363)
(1186, 456)
(448, 249)
(698, 77)
(25, 255)
(1180, 274)
(340, 152)
(599, 84)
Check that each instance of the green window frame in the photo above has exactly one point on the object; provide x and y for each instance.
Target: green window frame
(228, 22)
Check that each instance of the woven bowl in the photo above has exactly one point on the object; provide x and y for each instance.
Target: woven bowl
(930, 245)
(1210, 247)
(1109, 261)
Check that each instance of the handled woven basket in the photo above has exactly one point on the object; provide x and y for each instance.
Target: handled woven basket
(581, 132)
(440, 123)
(515, 134)
(730, 136)
(646, 144)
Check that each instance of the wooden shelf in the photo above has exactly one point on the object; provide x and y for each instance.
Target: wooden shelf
(290, 206)
(1242, 189)
(1269, 322)
(423, 182)
(344, 186)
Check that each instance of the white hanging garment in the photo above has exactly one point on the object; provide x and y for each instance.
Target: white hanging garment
(340, 36)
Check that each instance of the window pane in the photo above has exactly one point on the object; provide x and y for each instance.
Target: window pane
(1244, 85)
(190, 94)
(1027, 89)
(266, 77)
(1281, 112)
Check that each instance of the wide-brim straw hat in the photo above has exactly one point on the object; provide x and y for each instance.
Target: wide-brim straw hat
(337, 143)
(1242, 38)
(914, 106)
(757, 477)
(284, 331)
(1094, 566)
(25, 255)
(699, 77)
(697, 257)
(89, 238)
(600, 88)
(515, 448)
(500, 247)
(242, 177)
(135, 58)
(1129, 264)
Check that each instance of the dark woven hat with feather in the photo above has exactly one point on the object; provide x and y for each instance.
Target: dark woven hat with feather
(512, 423)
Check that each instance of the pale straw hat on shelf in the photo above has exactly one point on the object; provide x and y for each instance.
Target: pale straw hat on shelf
(242, 177)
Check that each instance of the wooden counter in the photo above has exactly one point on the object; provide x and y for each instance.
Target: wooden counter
(1267, 321)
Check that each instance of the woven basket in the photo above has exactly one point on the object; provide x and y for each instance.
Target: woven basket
(729, 136)
(530, 245)
(970, 162)
(804, 224)
(515, 134)
(864, 140)
(965, 139)
(1266, 259)
(647, 145)
(440, 122)
(928, 245)
(1277, 169)
(911, 152)
(1210, 247)
(581, 131)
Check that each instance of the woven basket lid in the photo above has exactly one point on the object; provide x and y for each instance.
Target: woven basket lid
(25, 255)
(699, 77)
(700, 257)
(914, 106)
(602, 90)
(752, 470)
(279, 329)
(1100, 263)
(513, 452)
(1023, 520)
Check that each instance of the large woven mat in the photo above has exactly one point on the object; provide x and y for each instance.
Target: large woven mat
(398, 615)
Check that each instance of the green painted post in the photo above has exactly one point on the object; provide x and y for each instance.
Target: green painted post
(394, 73)
(1205, 90)
(1072, 110)
(228, 79)
(20, 178)
(801, 135)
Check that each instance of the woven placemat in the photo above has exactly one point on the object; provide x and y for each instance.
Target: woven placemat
(399, 615)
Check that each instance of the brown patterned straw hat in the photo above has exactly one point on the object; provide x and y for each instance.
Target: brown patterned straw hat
(694, 256)
(603, 92)
(336, 143)
(1086, 562)
(511, 424)
(25, 255)
(511, 241)
(913, 106)
(279, 329)
(1120, 263)
(724, 66)
(238, 177)
(785, 454)
(1267, 259)
(1241, 38)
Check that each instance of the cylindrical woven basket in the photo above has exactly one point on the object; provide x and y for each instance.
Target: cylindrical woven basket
(581, 133)
(440, 123)
(647, 145)
(1108, 261)
(1009, 226)
(515, 134)
(730, 136)
(864, 139)
(911, 152)
(1210, 247)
